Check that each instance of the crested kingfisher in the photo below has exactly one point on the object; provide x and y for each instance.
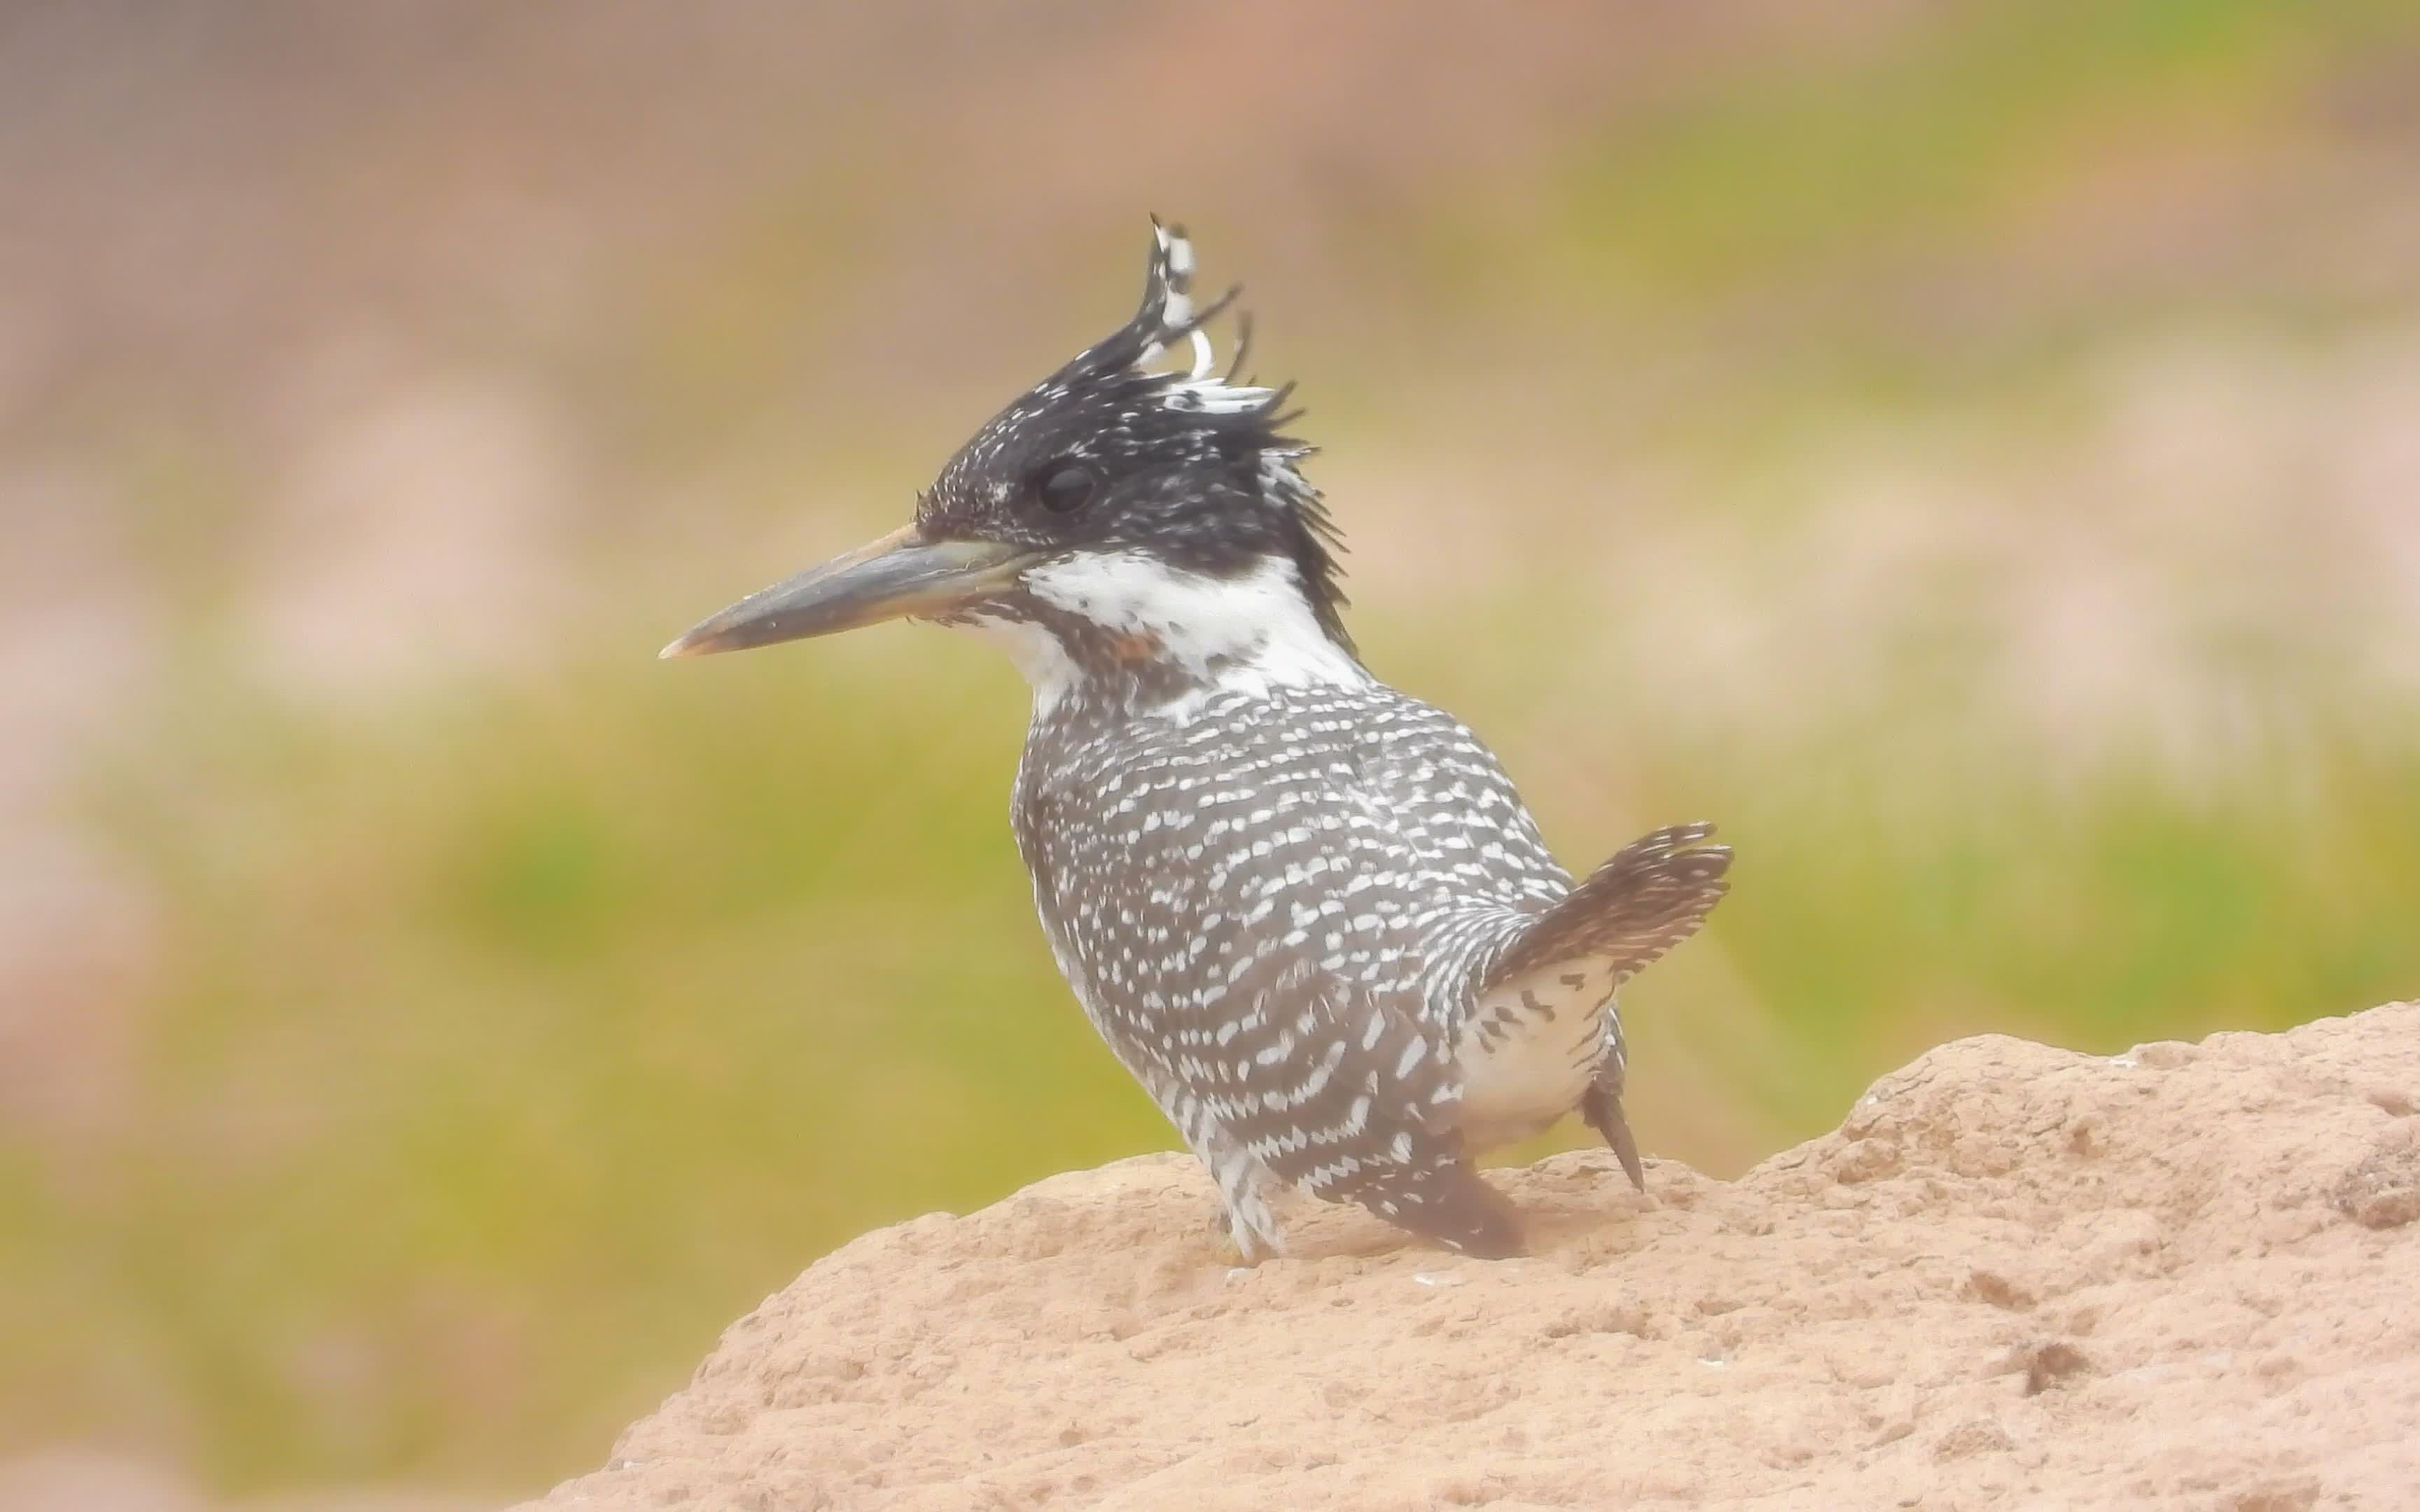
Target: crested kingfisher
(1308, 913)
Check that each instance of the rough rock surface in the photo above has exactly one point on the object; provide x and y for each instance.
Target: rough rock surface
(2015, 1276)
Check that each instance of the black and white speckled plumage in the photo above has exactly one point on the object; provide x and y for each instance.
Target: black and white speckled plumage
(1280, 888)
(1308, 912)
(1280, 912)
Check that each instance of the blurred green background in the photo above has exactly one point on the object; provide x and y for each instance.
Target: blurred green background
(1969, 450)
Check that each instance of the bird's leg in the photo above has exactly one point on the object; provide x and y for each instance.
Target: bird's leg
(1251, 1244)
(1244, 1192)
(1250, 1225)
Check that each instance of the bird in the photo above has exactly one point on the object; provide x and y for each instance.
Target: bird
(1308, 913)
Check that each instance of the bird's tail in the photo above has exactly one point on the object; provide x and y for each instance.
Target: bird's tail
(1650, 897)
(1601, 1105)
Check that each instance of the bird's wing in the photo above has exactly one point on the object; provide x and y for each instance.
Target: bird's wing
(1333, 1091)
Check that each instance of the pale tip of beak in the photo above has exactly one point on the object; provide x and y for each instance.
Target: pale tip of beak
(677, 649)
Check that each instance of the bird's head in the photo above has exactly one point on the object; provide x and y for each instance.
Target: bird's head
(1124, 523)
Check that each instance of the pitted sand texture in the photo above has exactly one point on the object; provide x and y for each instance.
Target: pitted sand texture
(2015, 1276)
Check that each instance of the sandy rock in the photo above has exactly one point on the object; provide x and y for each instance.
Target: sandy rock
(2015, 1276)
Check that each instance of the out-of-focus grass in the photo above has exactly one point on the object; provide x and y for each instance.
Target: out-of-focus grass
(1953, 126)
(504, 1054)
(488, 1024)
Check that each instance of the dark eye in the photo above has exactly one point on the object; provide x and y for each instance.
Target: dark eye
(1065, 488)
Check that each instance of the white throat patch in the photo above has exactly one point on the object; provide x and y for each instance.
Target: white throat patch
(1246, 634)
(1036, 652)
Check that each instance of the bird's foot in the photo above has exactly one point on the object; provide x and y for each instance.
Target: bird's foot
(1250, 1244)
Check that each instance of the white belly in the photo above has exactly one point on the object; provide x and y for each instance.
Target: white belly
(1530, 1051)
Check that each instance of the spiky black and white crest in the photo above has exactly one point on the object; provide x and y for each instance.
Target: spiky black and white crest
(1168, 301)
(1214, 485)
(1168, 317)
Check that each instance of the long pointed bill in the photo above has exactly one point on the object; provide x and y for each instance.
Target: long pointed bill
(901, 573)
